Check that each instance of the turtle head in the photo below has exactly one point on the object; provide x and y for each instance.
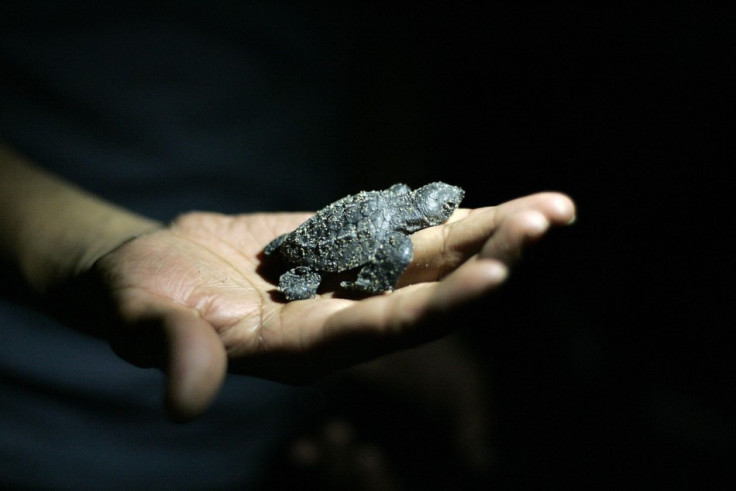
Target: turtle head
(436, 202)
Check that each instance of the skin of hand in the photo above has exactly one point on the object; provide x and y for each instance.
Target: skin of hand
(191, 298)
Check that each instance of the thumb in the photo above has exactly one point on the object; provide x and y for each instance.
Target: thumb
(180, 342)
(195, 364)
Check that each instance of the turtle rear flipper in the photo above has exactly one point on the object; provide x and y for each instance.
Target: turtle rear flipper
(299, 283)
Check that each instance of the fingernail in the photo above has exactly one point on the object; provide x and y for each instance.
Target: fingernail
(566, 207)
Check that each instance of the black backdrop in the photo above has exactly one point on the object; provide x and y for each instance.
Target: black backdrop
(611, 346)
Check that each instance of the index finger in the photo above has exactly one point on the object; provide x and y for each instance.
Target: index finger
(439, 250)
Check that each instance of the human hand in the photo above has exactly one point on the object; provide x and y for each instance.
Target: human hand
(191, 298)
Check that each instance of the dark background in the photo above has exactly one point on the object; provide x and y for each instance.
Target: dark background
(611, 347)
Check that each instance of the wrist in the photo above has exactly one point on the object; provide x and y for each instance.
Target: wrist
(51, 230)
(88, 230)
(105, 230)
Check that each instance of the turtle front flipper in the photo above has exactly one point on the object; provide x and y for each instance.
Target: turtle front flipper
(383, 272)
(299, 283)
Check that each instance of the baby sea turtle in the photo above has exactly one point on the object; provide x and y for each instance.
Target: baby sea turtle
(367, 230)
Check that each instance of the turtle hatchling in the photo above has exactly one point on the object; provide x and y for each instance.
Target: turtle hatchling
(369, 230)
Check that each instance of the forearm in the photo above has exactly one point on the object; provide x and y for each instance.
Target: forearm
(50, 229)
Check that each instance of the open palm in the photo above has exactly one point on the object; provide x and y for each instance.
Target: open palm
(193, 298)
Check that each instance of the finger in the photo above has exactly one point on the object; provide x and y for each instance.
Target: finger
(306, 339)
(196, 364)
(176, 339)
(382, 324)
(557, 207)
(439, 250)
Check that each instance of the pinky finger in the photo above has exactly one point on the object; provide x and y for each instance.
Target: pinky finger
(412, 314)
(474, 278)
